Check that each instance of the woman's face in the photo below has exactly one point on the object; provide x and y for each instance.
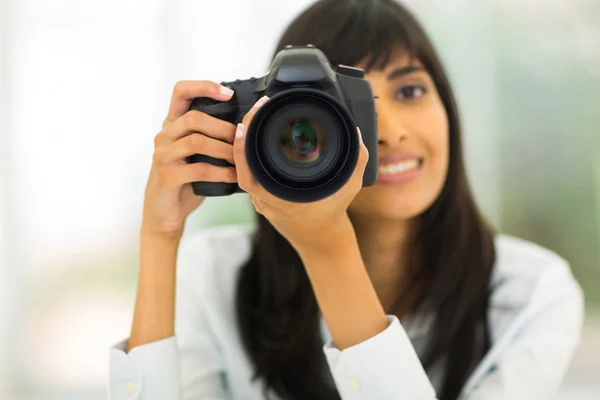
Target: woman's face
(413, 143)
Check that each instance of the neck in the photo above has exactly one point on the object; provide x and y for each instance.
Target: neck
(383, 245)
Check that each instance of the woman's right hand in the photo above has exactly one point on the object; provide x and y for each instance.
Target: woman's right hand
(169, 197)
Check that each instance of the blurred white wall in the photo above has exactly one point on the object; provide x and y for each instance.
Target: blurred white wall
(4, 308)
(8, 299)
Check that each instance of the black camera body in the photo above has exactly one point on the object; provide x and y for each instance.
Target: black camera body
(302, 145)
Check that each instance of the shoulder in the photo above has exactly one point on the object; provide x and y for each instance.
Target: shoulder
(208, 260)
(535, 318)
(528, 265)
(527, 280)
(522, 257)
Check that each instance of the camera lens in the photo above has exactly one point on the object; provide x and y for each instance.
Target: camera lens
(302, 145)
(303, 141)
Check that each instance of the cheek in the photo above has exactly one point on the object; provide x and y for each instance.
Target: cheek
(433, 135)
(430, 136)
(437, 140)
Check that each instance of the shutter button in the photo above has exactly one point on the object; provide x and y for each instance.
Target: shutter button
(350, 71)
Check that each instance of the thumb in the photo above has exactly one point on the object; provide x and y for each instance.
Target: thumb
(244, 177)
(363, 159)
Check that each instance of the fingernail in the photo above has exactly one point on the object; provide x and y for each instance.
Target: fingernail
(262, 101)
(239, 132)
(359, 134)
(226, 91)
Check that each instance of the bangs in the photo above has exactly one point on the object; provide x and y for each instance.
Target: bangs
(353, 31)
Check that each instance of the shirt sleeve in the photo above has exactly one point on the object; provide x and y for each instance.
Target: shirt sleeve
(182, 367)
(384, 367)
(533, 365)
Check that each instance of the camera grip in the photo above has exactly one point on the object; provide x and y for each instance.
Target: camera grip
(213, 189)
(232, 111)
(225, 111)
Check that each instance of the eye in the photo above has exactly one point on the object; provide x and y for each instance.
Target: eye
(410, 92)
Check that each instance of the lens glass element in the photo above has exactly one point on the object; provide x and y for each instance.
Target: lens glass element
(302, 141)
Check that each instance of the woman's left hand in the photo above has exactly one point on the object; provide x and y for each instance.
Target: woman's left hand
(304, 225)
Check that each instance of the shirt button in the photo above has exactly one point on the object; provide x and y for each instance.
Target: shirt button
(353, 383)
(129, 388)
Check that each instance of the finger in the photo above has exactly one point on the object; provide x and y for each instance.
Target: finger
(185, 91)
(246, 180)
(195, 143)
(197, 121)
(174, 176)
(250, 114)
(363, 158)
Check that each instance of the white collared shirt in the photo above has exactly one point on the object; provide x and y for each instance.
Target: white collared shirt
(535, 318)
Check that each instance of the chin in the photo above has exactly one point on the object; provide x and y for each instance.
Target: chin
(386, 202)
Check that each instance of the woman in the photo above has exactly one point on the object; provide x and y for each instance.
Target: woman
(395, 291)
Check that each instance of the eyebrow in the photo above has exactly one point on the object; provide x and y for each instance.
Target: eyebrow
(403, 71)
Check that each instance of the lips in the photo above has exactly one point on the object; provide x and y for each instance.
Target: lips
(399, 168)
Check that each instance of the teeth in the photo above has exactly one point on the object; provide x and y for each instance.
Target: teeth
(397, 168)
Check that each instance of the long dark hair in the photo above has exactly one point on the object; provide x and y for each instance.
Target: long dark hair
(277, 313)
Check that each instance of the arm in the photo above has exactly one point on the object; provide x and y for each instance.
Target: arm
(154, 313)
(343, 289)
(147, 363)
(161, 366)
(370, 356)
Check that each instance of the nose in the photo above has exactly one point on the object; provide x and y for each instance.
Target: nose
(390, 131)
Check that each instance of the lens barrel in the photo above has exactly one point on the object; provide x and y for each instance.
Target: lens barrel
(302, 145)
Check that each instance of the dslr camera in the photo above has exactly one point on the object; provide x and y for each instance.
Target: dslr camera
(302, 145)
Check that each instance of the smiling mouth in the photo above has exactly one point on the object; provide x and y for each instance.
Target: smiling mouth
(400, 167)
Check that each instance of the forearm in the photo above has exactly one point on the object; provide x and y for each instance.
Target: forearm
(154, 314)
(344, 291)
